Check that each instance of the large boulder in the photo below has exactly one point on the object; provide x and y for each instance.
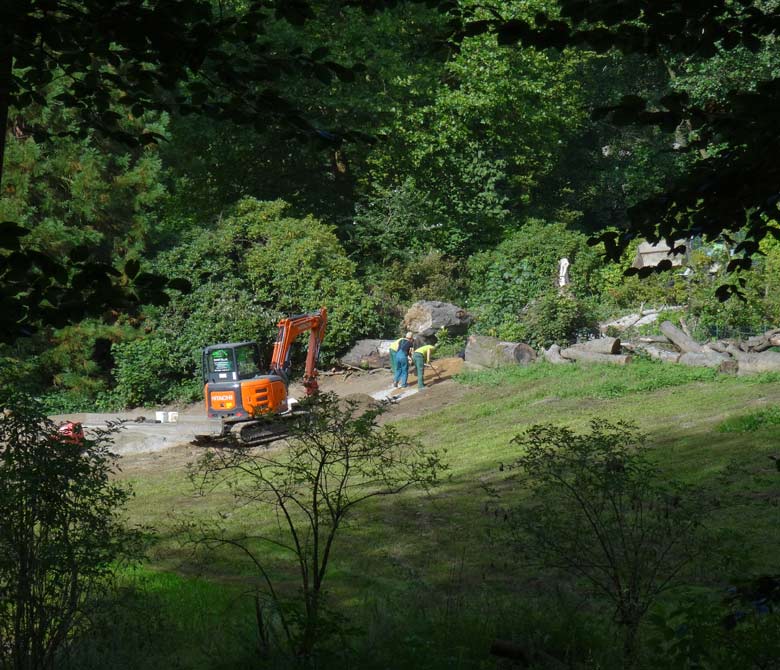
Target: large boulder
(368, 354)
(426, 317)
(490, 352)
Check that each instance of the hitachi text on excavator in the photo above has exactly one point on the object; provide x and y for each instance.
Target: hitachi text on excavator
(237, 392)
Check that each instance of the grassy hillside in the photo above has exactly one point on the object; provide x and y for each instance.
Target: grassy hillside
(420, 576)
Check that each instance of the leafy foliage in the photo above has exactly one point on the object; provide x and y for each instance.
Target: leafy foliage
(470, 162)
(281, 265)
(599, 510)
(731, 185)
(61, 534)
(337, 458)
(506, 281)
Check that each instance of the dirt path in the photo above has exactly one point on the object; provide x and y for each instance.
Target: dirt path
(142, 438)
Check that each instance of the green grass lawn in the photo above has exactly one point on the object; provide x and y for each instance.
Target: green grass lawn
(433, 554)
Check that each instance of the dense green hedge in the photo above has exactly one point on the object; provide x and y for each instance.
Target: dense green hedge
(512, 288)
(254, 266)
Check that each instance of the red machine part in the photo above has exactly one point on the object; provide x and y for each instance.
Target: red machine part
(71, 432)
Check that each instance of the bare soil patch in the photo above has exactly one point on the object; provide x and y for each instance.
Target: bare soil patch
(146, 445)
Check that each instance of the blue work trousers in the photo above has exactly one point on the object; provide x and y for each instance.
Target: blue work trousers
(401, 368)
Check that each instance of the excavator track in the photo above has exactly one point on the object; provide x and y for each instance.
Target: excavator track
(250, 433)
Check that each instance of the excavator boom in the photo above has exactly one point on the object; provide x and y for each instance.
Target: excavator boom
(289, 330)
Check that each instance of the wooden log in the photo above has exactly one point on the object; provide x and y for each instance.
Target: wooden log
(702, 359)
(653, 339)
(762, 342)
(593, 357)
(659, 353)
(601, 345)
(682, 341)
(751, 364)
(553, 355)
(490, 352)
(717, 345)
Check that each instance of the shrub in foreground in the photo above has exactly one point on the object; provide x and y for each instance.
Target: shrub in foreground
(597, 508)
(61, 534)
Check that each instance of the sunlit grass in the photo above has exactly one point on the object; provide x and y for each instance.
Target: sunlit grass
(419, 542)
(752, 421)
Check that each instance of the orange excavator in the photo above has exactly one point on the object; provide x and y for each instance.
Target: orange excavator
(237, 392)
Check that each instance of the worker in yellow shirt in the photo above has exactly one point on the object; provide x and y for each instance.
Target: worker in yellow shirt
(421, 356)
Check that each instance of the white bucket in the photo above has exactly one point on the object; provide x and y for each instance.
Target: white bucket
(160, 417)
(173, 417)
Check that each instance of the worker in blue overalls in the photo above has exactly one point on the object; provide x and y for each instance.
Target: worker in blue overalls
(402, 362)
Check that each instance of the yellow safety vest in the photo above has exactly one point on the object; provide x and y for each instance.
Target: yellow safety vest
(423, 351)
(394, 345)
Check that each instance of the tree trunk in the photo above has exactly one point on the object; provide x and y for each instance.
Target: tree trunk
(659, 353)
(704, 359)
(653, 339)
(490, 352)
(602, 345)
(593, 357)
(684, 343)
(6, 62)
(750, 364)
(759, 343)
(553, 355)
(718, 345)
(631, 646)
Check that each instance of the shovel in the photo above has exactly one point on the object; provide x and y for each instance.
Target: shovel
(430, 365)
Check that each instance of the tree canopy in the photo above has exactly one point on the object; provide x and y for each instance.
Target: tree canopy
(421, 150)
(732, 185)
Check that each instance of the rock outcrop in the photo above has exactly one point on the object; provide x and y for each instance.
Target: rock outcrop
(425, 318)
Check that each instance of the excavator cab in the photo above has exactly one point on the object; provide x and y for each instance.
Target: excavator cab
(223, 362)
(236, 389)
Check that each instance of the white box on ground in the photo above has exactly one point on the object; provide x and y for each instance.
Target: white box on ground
(173, 417)
(160, 416)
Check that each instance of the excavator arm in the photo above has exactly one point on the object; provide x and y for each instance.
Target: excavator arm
(289, 330)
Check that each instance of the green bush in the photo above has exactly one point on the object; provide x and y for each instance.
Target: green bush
(297, 265)
(552, 318)
(506, 281)
(430, 276)
(144, 375)
(448, 345)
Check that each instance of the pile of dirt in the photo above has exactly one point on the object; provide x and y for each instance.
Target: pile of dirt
(362, 402)
(443, 369)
